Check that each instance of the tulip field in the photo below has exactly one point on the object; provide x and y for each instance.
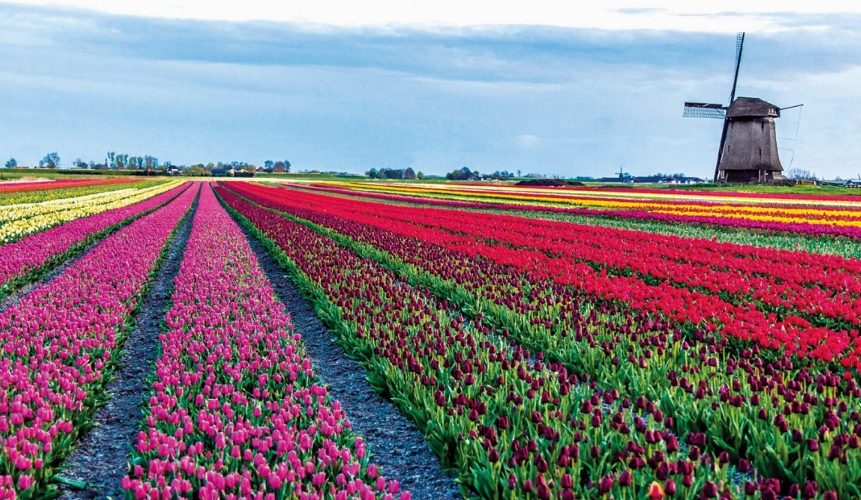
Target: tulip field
(545, 343)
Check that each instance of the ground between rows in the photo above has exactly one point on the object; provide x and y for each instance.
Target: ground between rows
(398, 447)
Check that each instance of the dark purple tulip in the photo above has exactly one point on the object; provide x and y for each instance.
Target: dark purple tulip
(672, 444)
(829, 495)
(670, 487)
(812, 445)
(709, 490)
(743, 465)
(810, 489)
(605, 485)
(625, 478)
(566, 481)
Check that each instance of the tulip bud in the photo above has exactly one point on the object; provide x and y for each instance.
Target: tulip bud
(605, 485)
(809, 490)
(670, 487)
(566, 481)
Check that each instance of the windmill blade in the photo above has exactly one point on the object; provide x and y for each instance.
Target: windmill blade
(739, 47)
(704, 110)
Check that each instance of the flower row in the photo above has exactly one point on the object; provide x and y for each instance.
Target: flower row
(30, 192)
(25, 260)
(60, 342)
(20, 220)
(775, 224)
(235, 410)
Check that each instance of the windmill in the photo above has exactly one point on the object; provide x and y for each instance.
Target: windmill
(748, 142)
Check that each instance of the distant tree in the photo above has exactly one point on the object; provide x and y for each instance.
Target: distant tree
(409, 173)
(518, 173)
(269, 165)
(51, 160)
(799, 174)
(372, 173)
(78, 163)
(11, 163)
(150, 162)
(420, 175)
(110, 158)
(120, 161)
(287, 166)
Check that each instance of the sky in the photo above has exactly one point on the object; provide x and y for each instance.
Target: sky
(347, 86)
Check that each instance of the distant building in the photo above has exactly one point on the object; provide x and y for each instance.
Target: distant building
(223, 172)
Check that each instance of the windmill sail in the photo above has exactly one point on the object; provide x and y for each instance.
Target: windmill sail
(704, 110)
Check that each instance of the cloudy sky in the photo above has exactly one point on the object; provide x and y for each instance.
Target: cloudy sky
(347, 86)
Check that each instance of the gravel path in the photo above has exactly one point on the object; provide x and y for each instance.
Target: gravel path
(101, 458)
(397, 445)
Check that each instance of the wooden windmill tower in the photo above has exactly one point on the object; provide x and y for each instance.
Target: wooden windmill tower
(748, 143)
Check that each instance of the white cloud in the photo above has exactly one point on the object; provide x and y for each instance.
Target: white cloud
(726, 16)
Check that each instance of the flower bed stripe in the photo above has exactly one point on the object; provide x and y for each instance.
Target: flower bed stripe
(774, 223)
(29, 258)
(22, 192)
(59, 346)
(235, 409)
(20, 220)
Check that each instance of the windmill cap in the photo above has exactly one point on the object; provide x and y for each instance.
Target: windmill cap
(753, 107)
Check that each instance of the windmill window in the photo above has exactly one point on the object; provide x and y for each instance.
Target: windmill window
(760, 152)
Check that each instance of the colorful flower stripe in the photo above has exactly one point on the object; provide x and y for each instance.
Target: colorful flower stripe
(793, 334)
(850, 213)
(542, 317)
(513, 427)
(54, 191)
(680, 193)
(26, 259)
(19, 187)
(235, 410)
(753, 225)
(817, 286)
(60, 343)
(18, 221)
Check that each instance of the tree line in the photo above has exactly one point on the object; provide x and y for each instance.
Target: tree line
(124, 161)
